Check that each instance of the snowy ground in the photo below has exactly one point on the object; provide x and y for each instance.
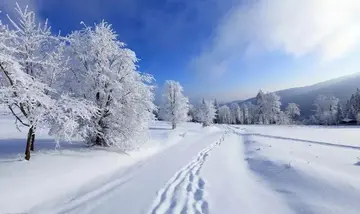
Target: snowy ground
(220, 169)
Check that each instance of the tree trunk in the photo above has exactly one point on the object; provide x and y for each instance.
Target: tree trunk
(100, 141)
(173, 125)
(28, 143)
(32, 141)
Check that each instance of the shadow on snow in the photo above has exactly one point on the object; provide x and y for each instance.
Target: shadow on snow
(294, 186)
(16, 147)
(303, 141)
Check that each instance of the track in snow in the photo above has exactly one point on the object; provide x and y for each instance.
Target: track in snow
(184, 193)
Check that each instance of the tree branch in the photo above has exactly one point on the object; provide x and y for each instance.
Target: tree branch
(17, 117)
(21, 107)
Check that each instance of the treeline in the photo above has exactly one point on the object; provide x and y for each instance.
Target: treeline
(266, 109)
(175, 108)
(329, 111)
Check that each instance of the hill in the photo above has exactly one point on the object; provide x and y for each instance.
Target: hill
(341, 88)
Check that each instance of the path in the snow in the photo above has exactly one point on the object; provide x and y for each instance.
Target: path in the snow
(232, 186)
(133, 191)
(184, 193)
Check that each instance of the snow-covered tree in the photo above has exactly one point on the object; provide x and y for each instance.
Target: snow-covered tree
(225, 115)
(284, 118)
(292, 110)
(236, 113)
(31, 60)
(326, 109)
(273, 107)
(69, 113)
(104, 72)
(156, 113)
(216, 105)
(352, 107)
(245, 112)
(340, 114)
(193, 111)
(248, 110)
(267, 108)
(175, 106)
(206, 112)
(349, 110)
(262, 108)
(358, 118)
(239, 114)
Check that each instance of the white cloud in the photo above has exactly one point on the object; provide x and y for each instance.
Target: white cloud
(328, 29)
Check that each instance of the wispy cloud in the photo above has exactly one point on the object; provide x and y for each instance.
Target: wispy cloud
(327, 29)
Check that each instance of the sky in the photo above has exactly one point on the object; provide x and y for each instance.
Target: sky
(223, 49)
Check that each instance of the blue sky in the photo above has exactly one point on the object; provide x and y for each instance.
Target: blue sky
(224, 49)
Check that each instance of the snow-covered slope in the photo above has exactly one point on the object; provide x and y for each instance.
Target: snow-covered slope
(341, 88)
(219, 169)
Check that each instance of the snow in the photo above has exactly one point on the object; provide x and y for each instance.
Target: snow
(338, 135)
(236, 188)
(140, 183)
(310, 177)
(216, 169)
(68, 171)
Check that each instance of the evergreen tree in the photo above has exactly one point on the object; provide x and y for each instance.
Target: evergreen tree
(340, 114)
(352, 107)
(216, 105)
(261, 108)
(236, 115)
(225, 115)
(326, 109)
(348, 109)
(245, 113)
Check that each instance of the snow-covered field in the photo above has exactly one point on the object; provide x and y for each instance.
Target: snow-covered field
(310, 169)
(219, 169)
